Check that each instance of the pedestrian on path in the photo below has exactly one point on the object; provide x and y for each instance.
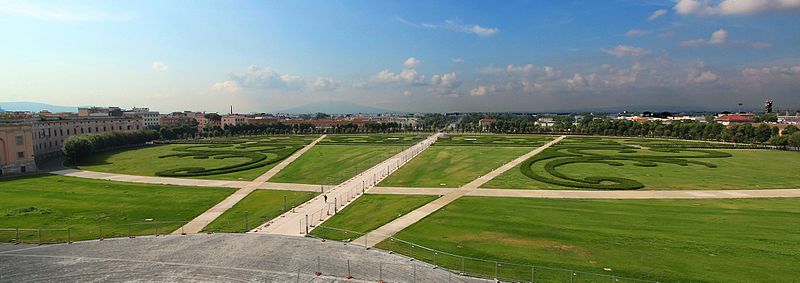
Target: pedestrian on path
(325, 197)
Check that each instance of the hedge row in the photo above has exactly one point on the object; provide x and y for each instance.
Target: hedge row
(76, 148)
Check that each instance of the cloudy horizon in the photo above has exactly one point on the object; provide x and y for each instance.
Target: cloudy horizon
(419, 57)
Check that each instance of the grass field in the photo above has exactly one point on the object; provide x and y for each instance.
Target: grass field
(261, 206)
(580, 159)
(374, 139)
(145, 161)
(451, 166)
(333, 164)
(49, 201)
(737, 240)
(368, 213)
(493, 140)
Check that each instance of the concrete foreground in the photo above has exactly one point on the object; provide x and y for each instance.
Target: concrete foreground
(212, 258)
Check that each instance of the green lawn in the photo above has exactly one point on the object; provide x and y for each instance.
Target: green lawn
(374, 139)
(736, 240)
(368, 213)
(451, 166)
(524, 140)
(146, 161)
(333, 164)
(745, 169)
(83, 205)
(261, 206)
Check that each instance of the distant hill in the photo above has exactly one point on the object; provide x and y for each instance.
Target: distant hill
(334, 107)
(35, 107)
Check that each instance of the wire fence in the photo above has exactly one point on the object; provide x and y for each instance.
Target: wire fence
(470, 266)
(79, 232)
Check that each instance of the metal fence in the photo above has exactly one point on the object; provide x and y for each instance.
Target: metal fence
(78, 232)
(473, 267)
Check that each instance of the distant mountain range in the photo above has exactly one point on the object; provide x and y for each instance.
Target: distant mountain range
(35, 107)
(334, 107)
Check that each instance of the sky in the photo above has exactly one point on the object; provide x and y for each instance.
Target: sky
(416, 56)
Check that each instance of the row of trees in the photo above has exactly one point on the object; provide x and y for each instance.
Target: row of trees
(78, 147)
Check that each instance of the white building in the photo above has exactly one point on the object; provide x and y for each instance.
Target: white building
(149, 118)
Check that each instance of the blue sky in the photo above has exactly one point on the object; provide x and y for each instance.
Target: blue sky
(401, 55)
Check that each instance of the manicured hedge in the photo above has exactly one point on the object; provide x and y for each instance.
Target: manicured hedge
(76, 148)
(573, 152)
(257, 158)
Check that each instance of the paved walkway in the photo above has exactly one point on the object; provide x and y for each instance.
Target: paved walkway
(581, 194)
(391, 228)
(310, 214)
(199, 222)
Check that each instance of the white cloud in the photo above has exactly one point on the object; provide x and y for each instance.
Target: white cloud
(702, 77)
(445, 84)
(656, 14)
(59, 12)
(478, 30)
(481, 90)
(411, 63)
(577, 81)
(159, 66)
(765, 74)
(717, 38)
(265, 78)
(635, 33)
(627, 50)
(226, 86)
(458, 60)
(325, 84)
(511, 68)
(406, 93)
(734, 7)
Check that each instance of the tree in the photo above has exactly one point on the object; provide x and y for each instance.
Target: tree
(794, 139)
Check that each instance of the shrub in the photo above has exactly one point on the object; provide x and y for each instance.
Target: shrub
(76, 148)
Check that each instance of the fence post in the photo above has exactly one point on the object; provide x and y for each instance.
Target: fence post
(18, 241)
(246, 227)
(69, 236)
(434, 260)
(40, 236)
(496, 266)
(349, 275)
(306, 224)
(572, 277)
(462, 266)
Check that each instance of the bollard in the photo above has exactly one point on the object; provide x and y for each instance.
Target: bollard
(101, 232)
(69, 236)
(306, 223)
(18, 241)
(572, 277)
(462, 266)
(496, 267)
(319, 272)
(40, 236)
(245, 222)
(349, 275)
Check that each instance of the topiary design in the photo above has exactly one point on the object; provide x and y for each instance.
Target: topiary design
(265, 154)
(585, 150)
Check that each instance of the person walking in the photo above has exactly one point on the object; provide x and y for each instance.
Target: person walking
(325, 197)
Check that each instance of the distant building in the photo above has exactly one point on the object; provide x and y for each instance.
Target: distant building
(100, 112)
(262, 120)
(149, 118)
(203, 122)
(790, 120)
(233, 120)
(486, 123)
(734, 119)
(545, 122)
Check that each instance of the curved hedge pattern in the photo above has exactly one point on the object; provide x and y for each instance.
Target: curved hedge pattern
(578, 151)
(267, 154)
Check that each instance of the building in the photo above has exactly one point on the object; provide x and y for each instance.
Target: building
(203, 122)
(262, 120)
(545, 122)
(790, 120)
(233, 120)
(99, 112)
(731, 119)
(16, 148)
(176, 120)
(49, 135)
(149, 118)
(485, 123)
